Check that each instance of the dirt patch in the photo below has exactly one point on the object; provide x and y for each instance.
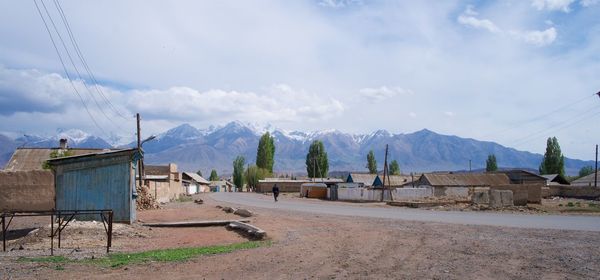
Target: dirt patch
(329, 247)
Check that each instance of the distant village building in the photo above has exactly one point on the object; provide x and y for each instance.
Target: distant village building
(519, 176)
(194, 183)
(163, 182)
(586, 181)
(555, 180)
(221, 186)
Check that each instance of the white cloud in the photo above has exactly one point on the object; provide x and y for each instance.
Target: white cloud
(449, 114)
(338, 3)
(553, 5)
(30, 92)
(587, 3)
(468, 19)
(535, 37)
(412, 114)
(382, 93)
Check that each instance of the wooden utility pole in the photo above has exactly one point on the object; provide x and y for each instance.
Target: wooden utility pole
(596, 173)
(386, 176)
(139, 146)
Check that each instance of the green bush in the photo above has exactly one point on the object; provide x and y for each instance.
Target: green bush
(570, 204)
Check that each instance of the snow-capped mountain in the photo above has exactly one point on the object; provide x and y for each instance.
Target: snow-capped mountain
(217, 146)
(75, 139)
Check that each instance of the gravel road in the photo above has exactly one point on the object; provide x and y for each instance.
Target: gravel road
(560, 222)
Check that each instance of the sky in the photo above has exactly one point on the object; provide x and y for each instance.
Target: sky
(512, 72)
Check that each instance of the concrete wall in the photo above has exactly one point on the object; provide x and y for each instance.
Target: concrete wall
(458, 193)
(574, 192)
(165, 191)
(412, 193)
(363, 194)
(523, 194)
(26, 191)
(283, 186)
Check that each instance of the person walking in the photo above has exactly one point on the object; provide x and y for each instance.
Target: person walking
(275, 192)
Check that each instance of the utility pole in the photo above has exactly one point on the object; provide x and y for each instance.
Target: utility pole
(385, 175)
(469, 166)
(139, 146)
(596, 173)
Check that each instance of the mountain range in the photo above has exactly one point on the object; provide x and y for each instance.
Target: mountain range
(194, 149)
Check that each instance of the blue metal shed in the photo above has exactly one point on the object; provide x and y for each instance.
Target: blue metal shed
(97, 181)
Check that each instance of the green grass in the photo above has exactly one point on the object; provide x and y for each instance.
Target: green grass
(167, 255)
(184, 198)
(582, 210)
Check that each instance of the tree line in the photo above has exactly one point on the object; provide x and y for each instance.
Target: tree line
(317, 163)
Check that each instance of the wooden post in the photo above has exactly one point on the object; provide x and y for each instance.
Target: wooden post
(596, 173)
(51, 234)
(384, 173)
(139, 146)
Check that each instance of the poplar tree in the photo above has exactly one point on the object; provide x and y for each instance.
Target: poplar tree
(394, 168)
(317, 164)
(554, 161)
(213, 176)
(371, 162)
(491, 164)
(265, 153)
(238, 171)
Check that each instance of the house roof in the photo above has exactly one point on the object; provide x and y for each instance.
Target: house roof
(97, 155)
(465, 179)
(585, 180)
(365, 178)
(555, 178)
(220, 183)
(26, 159)
(197, 178)
(157, 170)
(520, 176)
(397, 180)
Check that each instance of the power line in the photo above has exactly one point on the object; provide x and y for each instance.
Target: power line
(567, 123)
(521, 124)
(83, 60)
(65, 67)
(76, 69)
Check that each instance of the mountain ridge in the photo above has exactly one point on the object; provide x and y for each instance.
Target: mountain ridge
(216, 147)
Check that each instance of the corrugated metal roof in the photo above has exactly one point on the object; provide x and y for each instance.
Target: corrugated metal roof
(365, 178)
(585, 181)
(465, 179)
(157, 170)
(396, 180)
(197, 178)
(26, 159)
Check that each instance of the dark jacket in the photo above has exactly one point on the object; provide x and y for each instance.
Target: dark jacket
(275, 189)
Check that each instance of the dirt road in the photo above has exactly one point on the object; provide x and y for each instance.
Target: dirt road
(322, 246)
(455, 217)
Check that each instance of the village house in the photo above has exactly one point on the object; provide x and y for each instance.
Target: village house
(587, 181)
(194, 183)
(221, 186)
(164, 182)
(27, 183)
(555, 180)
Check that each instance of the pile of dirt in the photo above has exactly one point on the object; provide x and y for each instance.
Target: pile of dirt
(145, 200)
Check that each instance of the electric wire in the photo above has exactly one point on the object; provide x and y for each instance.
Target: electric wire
(521, 124)
(76, 69)
(84, 61)
(591, 112)
(65, 68)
